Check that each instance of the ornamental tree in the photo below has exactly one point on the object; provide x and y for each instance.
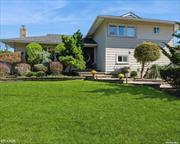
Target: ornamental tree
(145, 53)
(70, 51)
(173, 53)
(33, 51)
(171, 73)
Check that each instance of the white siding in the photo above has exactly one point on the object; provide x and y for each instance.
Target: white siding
(111, 64)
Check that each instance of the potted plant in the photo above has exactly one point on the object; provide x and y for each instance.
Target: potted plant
(94, 72)
(121, 76)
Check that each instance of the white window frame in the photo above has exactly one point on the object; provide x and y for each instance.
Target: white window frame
(156, 30)
(122, 62)
(117, 26)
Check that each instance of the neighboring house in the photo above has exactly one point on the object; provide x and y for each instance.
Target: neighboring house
(111, 40)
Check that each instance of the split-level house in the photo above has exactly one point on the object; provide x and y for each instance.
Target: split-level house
(111, 40)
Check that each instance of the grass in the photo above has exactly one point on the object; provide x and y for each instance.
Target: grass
(85, 112)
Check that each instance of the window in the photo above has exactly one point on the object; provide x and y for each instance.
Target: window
(122, 59)
(156, 30)
(130, 31)
(112, 30)
(122, 30)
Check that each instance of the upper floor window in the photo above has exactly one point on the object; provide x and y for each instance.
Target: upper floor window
(130, 31)
(112, 30)
(156, 30)
(122, 31)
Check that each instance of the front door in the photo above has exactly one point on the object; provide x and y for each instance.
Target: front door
(89, 57)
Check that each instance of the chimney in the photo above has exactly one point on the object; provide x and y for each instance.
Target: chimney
(23, 31)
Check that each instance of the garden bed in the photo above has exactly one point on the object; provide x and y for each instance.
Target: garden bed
(53, 78)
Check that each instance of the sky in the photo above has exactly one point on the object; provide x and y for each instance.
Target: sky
(43, 17)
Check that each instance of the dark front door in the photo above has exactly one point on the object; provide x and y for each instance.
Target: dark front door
(89, 57)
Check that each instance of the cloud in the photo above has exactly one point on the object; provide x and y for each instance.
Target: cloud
(39, 13)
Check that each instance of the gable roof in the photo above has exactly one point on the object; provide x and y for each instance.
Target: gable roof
(130, 16)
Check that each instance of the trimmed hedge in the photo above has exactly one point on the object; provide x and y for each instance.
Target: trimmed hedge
(22, 69)
(55, 68)
(4, 69)
(40, 67)
(133, 74)
(171, 75)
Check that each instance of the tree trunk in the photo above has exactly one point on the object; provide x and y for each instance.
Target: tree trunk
(142, 70)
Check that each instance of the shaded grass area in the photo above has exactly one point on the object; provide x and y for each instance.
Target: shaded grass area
(86, 112)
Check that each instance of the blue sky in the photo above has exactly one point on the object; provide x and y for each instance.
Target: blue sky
(66, 16)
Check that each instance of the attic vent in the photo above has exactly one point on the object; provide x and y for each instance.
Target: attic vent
(131, 15)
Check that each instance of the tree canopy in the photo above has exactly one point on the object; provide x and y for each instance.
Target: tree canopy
(70, 51)
(173, 53)
(146, 52)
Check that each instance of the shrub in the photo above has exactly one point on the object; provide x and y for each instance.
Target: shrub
(31, 74)
(145, 53)
(153, 72)
(4, 69)
(33, 51)
(40, 67)
(22, 69)
(40, 74)
(171, 75)
(10, 57)
(124, 70)
(55, 68)
(120, 76)
(133, 74)
(93, 72)
(45, 58)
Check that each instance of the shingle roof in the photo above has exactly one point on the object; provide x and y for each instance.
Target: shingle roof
(89, 41)
(48, 39)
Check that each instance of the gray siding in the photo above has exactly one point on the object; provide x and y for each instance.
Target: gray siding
(100, 38)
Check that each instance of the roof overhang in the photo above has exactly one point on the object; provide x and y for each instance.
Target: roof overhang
(100, 19)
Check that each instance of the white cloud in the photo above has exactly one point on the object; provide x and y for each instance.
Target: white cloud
(39, 13)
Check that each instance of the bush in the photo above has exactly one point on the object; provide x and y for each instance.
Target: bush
(93, 72)
(4, 69)
(153, 72)
(146, 52)
(22, 69)
(33, 51)
(40, 67)
(31, 74)
(133, 74)
(40, 74)
(55, 68)
(10, 57)
(120, 76)
(124, 70)
(171, 75)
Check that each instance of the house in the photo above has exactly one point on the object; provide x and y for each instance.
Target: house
(111, 40)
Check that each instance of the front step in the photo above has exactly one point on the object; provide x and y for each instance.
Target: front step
(99, 75)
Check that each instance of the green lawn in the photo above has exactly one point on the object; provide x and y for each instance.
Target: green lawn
(86, 112)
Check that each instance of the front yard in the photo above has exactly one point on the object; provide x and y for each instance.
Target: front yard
(87, 112)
